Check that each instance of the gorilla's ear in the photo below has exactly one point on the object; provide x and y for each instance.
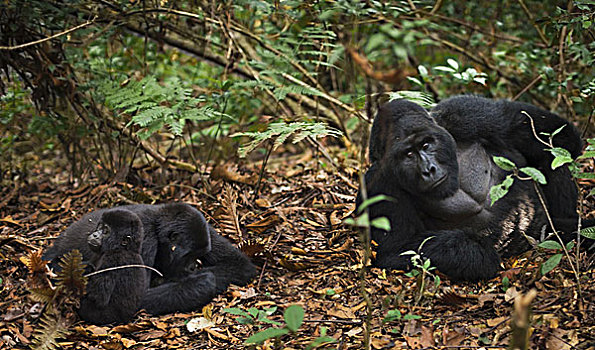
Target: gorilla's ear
(388, 124)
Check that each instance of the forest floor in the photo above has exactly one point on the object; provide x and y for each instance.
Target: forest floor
(293, 231)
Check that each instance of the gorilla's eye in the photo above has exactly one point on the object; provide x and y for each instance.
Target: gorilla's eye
(409, 154)
(425, 146)
(126, 240)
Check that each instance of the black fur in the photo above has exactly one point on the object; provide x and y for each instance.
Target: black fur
(176, 235)
(115, 296)
(439, 170)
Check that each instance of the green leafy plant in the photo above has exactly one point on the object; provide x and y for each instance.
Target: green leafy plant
(423, 99)
(362, 218)
(466, 76)
(153, 106)
(422, 268)
(555, 259)
(253, 315)
(561, 157)
(280, 131)
(293, 317)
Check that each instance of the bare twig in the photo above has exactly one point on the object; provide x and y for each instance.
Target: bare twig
(21, 46)
(539, 31)
(124, 267)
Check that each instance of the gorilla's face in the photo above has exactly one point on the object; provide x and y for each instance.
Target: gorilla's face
(117, 229)
(423, 158)
(184, 240)
(183, 255)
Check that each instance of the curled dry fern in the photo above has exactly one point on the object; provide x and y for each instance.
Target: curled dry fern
(71, 276)
(71, 282)
(50, 328)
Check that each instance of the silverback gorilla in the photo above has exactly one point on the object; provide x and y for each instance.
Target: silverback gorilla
(115, 296)
(438, 168)
(175, 236)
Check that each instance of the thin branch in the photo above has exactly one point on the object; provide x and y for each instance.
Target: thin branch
(526, 88)
(21, 46)
(539, 31)
(123, 267)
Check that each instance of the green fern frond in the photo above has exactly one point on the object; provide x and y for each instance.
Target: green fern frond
(424, 99)
(280, 131)
(154, 106)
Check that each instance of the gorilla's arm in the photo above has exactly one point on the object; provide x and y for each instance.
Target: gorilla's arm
(222, 266)
(188, 294)
(459, 253)
(99, 292)
(228, 263)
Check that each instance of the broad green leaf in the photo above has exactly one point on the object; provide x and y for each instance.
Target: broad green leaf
(368, 202)
(570, 245)
(500, 190)
(266, 334)
(323, 339)
(551, 263)
(504, 163)
(392, 315)
(269, 321)
(588, 154)
(535, 174)
(444, 69)
(454, 64)
(411, 317)
(558, 130)
(235, 311)
(559, 161)
(381, 223)
(294, 316)
(550, 245)
(362, 220)
(588, 232)
(253, 311)
(559, 152)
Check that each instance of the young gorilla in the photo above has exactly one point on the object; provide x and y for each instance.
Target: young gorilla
(115, 296)
(439, 172)
(176, 235)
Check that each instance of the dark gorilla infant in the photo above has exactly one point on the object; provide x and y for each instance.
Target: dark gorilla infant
(115, 296)
(439, 171)
(196, 262)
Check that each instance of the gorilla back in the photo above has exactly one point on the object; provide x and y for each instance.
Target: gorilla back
(439, 170)
(175, 236)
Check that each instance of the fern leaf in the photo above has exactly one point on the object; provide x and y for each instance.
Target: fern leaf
(50, 329)
(42, 295)
(71, 274)
(424, 99)
(282, 131)
(34, 262)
